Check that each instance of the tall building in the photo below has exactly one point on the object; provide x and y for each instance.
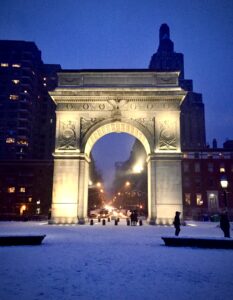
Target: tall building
(192, 110)
(27, 128)
(27, 113)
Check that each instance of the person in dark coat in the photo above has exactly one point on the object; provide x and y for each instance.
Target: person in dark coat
(176, 223)
(225, 224)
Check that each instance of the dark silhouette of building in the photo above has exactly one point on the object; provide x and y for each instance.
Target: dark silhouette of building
(27, 129)
(192, 110)
(27, 113)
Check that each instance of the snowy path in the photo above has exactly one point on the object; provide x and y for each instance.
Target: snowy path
(113, 262)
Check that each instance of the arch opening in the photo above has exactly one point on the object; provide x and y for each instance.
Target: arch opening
(115, 127)
(117, 177)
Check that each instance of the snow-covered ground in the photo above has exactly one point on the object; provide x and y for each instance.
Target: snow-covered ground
(113, 262)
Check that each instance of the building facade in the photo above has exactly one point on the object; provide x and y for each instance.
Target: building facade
(202, 172)
(27, 126)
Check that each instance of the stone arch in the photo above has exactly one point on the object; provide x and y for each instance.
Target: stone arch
(116, 126)
(91, 104)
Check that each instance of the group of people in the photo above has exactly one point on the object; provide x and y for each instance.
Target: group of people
(224, 224)
(133, 217)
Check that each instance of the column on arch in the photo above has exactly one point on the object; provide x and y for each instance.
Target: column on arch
(83, 179)
(168, 186)
(65, 190)
(152, 212)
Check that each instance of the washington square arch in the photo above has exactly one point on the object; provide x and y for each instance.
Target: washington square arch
(91, 104)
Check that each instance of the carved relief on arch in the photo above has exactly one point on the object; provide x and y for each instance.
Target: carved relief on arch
(167, 135)
(148, 123)
(67, 137)
(87, 123)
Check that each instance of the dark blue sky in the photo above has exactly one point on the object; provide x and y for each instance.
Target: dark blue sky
(86, 34)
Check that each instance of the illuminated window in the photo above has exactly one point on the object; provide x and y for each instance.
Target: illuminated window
(4, 65)
(29, 199)
(14, 97)
(16, 65)
(10, 140)
(222, 168)
(22, 142)
(15, 81)
(11, 189)
(199, 200)
(22, 189)
(45, 78)
(187, 199)
(44, 84)
(213, 200)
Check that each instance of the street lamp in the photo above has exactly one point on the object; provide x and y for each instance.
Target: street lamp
(224, 185)
(127, 183)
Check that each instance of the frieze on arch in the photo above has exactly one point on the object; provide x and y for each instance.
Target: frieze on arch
(124, 105)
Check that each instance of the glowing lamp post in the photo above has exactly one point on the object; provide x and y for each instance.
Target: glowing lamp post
(224, 185)
(127, 184)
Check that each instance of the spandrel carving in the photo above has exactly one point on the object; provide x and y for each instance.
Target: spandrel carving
(67, 136)
(87, 123)
(146, 122)
(167, 135)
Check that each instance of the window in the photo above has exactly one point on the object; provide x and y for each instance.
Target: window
(199, 200)
(22, 142)
(198, 182)
(186, 167)
(186, 182)
(196, 155)
(16, 66)
(10, 140)
(187, 199)
(210, 167)
(14, 97)
(29, 199)
(4, 65)
(222, 168)
(15, 81)
(197, 167)
(22, 189)
(211, 182)
(11, 189)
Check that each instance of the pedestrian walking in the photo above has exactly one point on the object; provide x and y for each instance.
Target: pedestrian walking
(225, 224)
(176, 223)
